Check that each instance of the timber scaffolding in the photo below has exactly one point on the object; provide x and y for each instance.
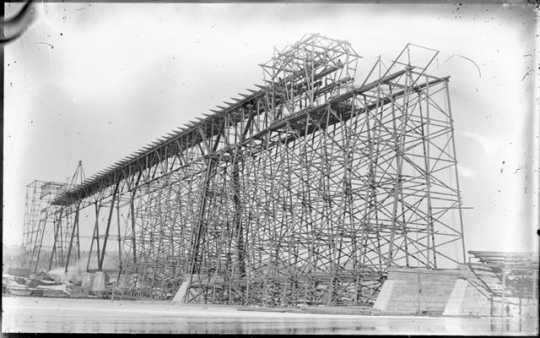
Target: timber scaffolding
(505, 276)
(301, 192)
(44, 225)
(39, 195)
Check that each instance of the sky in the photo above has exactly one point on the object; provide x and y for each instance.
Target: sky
(96, 82)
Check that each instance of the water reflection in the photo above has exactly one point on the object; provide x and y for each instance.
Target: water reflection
(78, 316)
(67, 324)
(275, 326)
(213, 326)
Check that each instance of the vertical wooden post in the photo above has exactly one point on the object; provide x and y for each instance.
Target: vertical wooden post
(132, 212)
(119, 241)
(78, 241)
(108, 226)
(503, 291)
(41, 241)
(95, 236)
(73, 235)
(194, 268)
(53, 252)
(458, 191)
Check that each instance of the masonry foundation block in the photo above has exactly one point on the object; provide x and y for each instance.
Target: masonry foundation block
(416, 290)
(100, 280)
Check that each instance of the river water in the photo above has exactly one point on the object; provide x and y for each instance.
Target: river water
(54, 315)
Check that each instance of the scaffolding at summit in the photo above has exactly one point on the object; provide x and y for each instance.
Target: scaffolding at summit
(303, 191)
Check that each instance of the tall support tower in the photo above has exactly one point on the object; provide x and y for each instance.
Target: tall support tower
(49, 236)
(40, 224)
(304, 191)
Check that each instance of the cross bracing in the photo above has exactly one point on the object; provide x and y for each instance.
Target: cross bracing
(303, 191)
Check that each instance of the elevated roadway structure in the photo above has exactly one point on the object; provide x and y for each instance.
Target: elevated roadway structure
(302, 191)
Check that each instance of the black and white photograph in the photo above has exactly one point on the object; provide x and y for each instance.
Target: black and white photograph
(349, 168)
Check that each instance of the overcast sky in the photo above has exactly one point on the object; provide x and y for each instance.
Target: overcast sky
(96, 82)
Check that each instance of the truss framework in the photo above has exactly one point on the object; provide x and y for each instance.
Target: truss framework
(302, 192)
(42, 222)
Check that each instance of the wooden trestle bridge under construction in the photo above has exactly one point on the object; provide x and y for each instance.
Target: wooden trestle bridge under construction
(304, 191)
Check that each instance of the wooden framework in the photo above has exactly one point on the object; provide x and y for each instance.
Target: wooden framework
(41, 223)
(302, 192)
(504, 277)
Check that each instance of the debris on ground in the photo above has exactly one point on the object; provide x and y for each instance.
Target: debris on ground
(24, 286)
